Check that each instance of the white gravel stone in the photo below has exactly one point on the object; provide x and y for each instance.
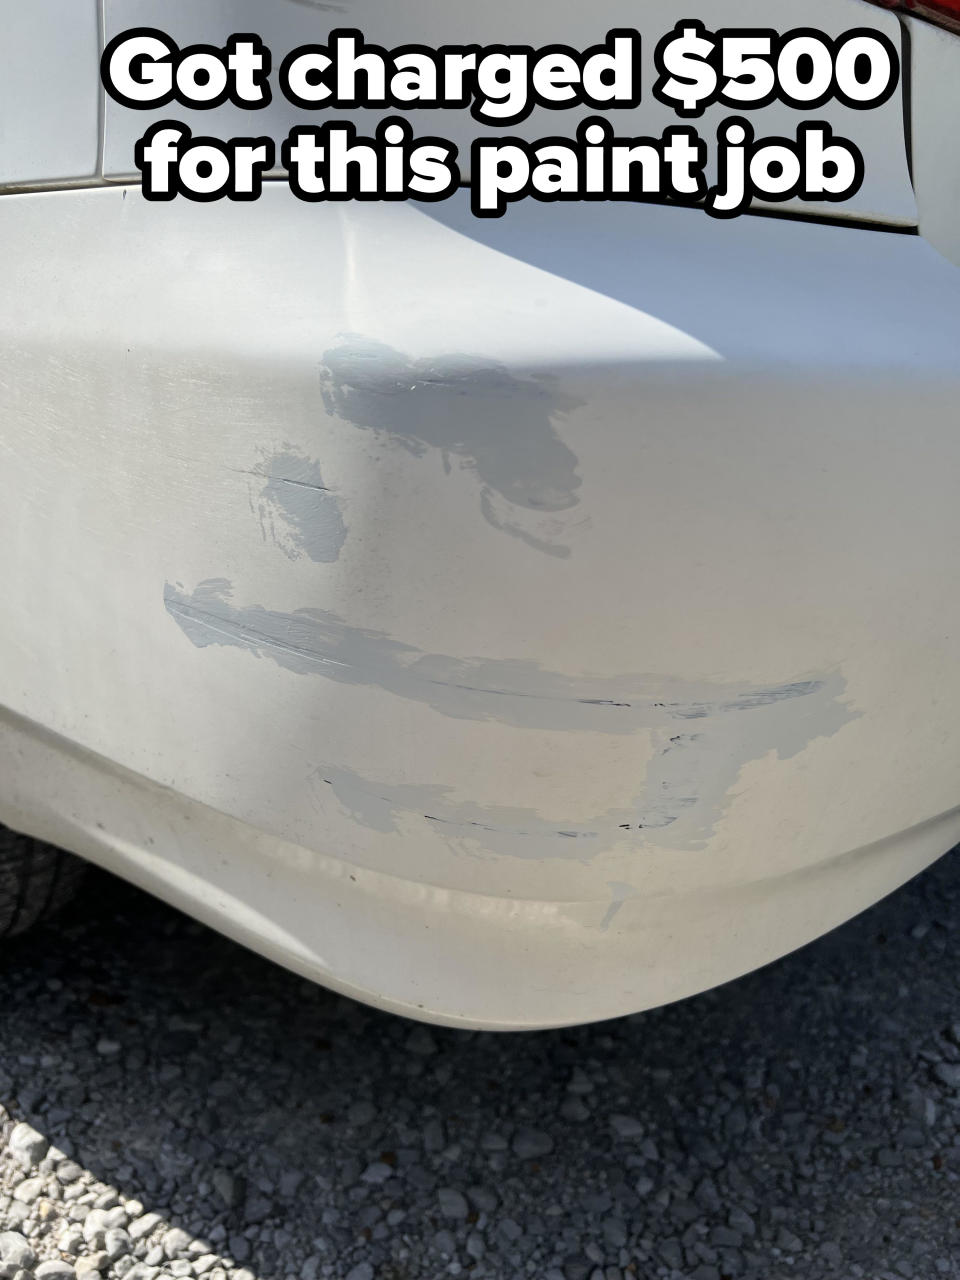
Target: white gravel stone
(27, 1145)
(92, 1263)
(175, 1242)
(116, 1243)
(15, 1249)
(68, 1171)
(54, 1269)
(29, 1190)
(144, 1225)
(71, 1239)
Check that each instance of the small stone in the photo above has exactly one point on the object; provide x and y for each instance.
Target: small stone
(362, 1271)
(575, 1110)
(580, 1082)
(227, 1187)
(258, 1209)
(203, 1264)
(90, 1263)
(452, 1203)
(55, 1270)
(531, 1143)
(108, 1048)
(239, 1247)
(787, 1241)
(180, 1267)
(175, 1242)
(14, 1248)
(361, 1113)
(948, 1073)
(614, 1231)
(94, 1228)
(71, 1239)
(434, 1136)
(116, 1243)
(68, 1171)
(26, 1145)
(421, 1042)
(142, 1226)
(482, 1198)
(29, 1190)
(627, 1127)
(741, 1221)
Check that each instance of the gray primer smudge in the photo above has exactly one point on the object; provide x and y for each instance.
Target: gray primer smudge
(296, 497)
(501, 426)
(687, 781)
(499, 829)
(619, 894)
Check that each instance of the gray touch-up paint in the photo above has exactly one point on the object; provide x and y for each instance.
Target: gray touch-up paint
(297, 510)
(499, 426)
(702, 733)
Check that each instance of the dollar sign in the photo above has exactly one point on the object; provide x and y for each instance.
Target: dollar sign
(687, 79)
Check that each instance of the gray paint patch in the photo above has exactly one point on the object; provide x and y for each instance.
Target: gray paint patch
(702, 733)
(298, 511)
(512, 832)
(500, 426)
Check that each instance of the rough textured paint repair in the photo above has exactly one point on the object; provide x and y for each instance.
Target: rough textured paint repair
(702, 734)
(297, 510)
(500, 426)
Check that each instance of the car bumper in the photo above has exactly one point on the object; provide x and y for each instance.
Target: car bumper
(511, 663)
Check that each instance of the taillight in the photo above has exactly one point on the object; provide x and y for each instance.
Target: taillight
(946, 12)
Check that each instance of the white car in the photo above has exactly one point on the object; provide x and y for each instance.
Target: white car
(510, 622)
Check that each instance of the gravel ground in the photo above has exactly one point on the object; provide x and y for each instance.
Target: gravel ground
(178, 1107)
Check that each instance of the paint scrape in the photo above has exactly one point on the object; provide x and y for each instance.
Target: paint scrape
(498, 426)
(297, 510)
(702, 733)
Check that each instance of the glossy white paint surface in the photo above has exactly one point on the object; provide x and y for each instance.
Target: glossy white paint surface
(510, 625)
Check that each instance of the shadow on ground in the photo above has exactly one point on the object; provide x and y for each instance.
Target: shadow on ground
(789, 1124)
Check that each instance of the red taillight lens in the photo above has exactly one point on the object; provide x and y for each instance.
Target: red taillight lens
(944, 11)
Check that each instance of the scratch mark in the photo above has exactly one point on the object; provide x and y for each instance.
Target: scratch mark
(297, 510)
(500, 427)
(687, 779)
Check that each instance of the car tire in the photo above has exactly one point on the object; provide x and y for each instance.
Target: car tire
(36, 880)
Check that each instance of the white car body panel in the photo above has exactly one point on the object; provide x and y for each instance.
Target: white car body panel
(935, 110)
(50, 98)
(511, 624)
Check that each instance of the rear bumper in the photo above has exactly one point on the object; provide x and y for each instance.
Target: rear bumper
(516, 662)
